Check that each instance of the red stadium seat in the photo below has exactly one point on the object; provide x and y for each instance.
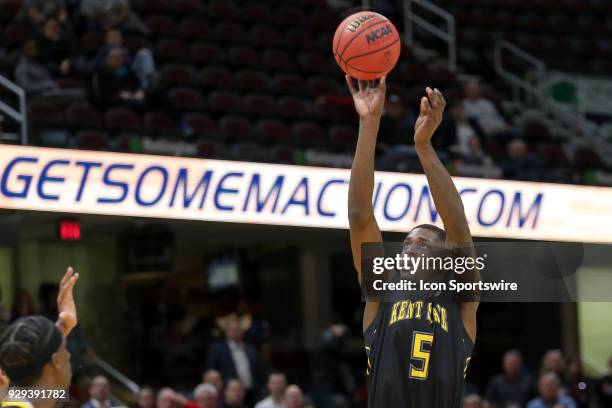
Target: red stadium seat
(83, 115)
(208, 149)
(188, 7)
(585, 158)
(177, 74)
(128, 142)
(135, 43)
(45, 113)
(309, 134)
(9, 9)
(288, 15)
(322, 85)
(276, 60)
(259, 105)
(552, 155)
(222, 101)
(207, 54)
(264, 36)
(343, 136)
(194, 29)
(161, 25)
(158, 122)
(272, 130)
(172, 50)
(317, 63)
(246, 152)
(293, 108)
(15, 34)
(255, 12)
(297, 39)
(251, 80)
(202, 125)
(155, 6)
(229, 33)
(290, 84)
(322, 19)
(216, 77)
(222, 10)
(245, 57)
(185, 99)
(281, 155)
(122, 119)
(236, 128)
(92, 140)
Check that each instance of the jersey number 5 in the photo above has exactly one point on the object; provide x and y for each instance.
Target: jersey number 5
(421, 351)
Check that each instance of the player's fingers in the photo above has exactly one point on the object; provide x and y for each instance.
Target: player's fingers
(66, 276)
(382, 85)
(351, 85)
(425, 107)
(362, 85)
(440, 97)
(433, 98)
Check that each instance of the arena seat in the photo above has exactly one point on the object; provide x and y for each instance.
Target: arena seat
(229, 33)
(185, 99)
(194, 29)
(188, 8)
(277, 60)
(251, 80)
(122, 119)
(169, 50)
(309, 134)
(83, 115)
(15, 34)
(177, 74)
(223, 101)
(92, 140)
(256, 11)
(207, 54)
(244, 57)
(42, 113)
(259, 105)
(288, 15)
(236, 128)
(223, 10)
(264, 36)
(159, 123)
(297, 39)
(311, 63)
(216, 77)
(291, 84)
(322, 86)
(290, 107)
(202, 125)
(161, 25)
(343, 136)
(272, 130)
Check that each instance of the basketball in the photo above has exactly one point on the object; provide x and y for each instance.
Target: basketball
(366, 45)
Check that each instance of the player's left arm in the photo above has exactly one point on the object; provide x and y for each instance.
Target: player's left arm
(445, 195)
(67, 312)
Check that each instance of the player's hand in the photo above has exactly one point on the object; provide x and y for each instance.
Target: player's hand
(66, 307)
(430, 116)
(369, 97)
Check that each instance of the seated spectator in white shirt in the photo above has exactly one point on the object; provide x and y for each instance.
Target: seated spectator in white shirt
(277, 382)
(482, 110)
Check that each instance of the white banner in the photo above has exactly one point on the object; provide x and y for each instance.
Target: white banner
(76, 181)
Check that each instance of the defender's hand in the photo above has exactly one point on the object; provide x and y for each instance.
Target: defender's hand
(369, 97)
(430, 116)
(66, 307)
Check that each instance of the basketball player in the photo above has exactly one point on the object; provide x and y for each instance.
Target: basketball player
(418, 349)
(33, 349)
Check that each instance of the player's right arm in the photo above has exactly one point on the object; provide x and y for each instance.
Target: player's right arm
(369, 102)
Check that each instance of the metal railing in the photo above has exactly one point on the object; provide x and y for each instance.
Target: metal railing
(528, 82)
(411, 19)
(116, 375)
(17, 115)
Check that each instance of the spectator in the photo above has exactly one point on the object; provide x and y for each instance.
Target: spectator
(475, 155)
(234, 358)
(553, 361)
(166, 398)
(23, 306)
(472, 401)
(455, 130)
(56, 48)
(33, 77)
(142, 64)
(234, 394)
(482, 110)
(99, 392)
(513, 385)
(205, 396)
(36, 12)
(106, 14)
(213, 378)
(114, 82)
(520, 164)
(397, 123)
(294, 398)
(549, 387)
(603, 388)
(277, 382)
(145, 398)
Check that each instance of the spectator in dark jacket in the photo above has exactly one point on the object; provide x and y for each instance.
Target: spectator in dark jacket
(56, 48)
(513, 385)
(519, 164)
(115, 83)
(234, 358)
(234, 395)
(30, 74)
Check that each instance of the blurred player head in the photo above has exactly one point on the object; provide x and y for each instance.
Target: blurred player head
(99, 389)
(472, 401)
(294, 398)
(234, 393)
(213, 377)
(277, 382)
(33, 353)
(145, 397)
(549, 387)
(512, 363)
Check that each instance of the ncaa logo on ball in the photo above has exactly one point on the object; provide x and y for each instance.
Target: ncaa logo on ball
(378, 34)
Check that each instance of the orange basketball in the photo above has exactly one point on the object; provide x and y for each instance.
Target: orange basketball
(366, 45)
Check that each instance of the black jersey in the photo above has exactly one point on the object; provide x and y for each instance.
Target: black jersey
(418, 352)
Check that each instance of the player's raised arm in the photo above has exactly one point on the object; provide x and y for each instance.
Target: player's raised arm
(445, 195)
(66, 307)
(369, 101)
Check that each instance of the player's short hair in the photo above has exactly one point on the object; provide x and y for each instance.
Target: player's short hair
(438, 231)
(26, 346)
